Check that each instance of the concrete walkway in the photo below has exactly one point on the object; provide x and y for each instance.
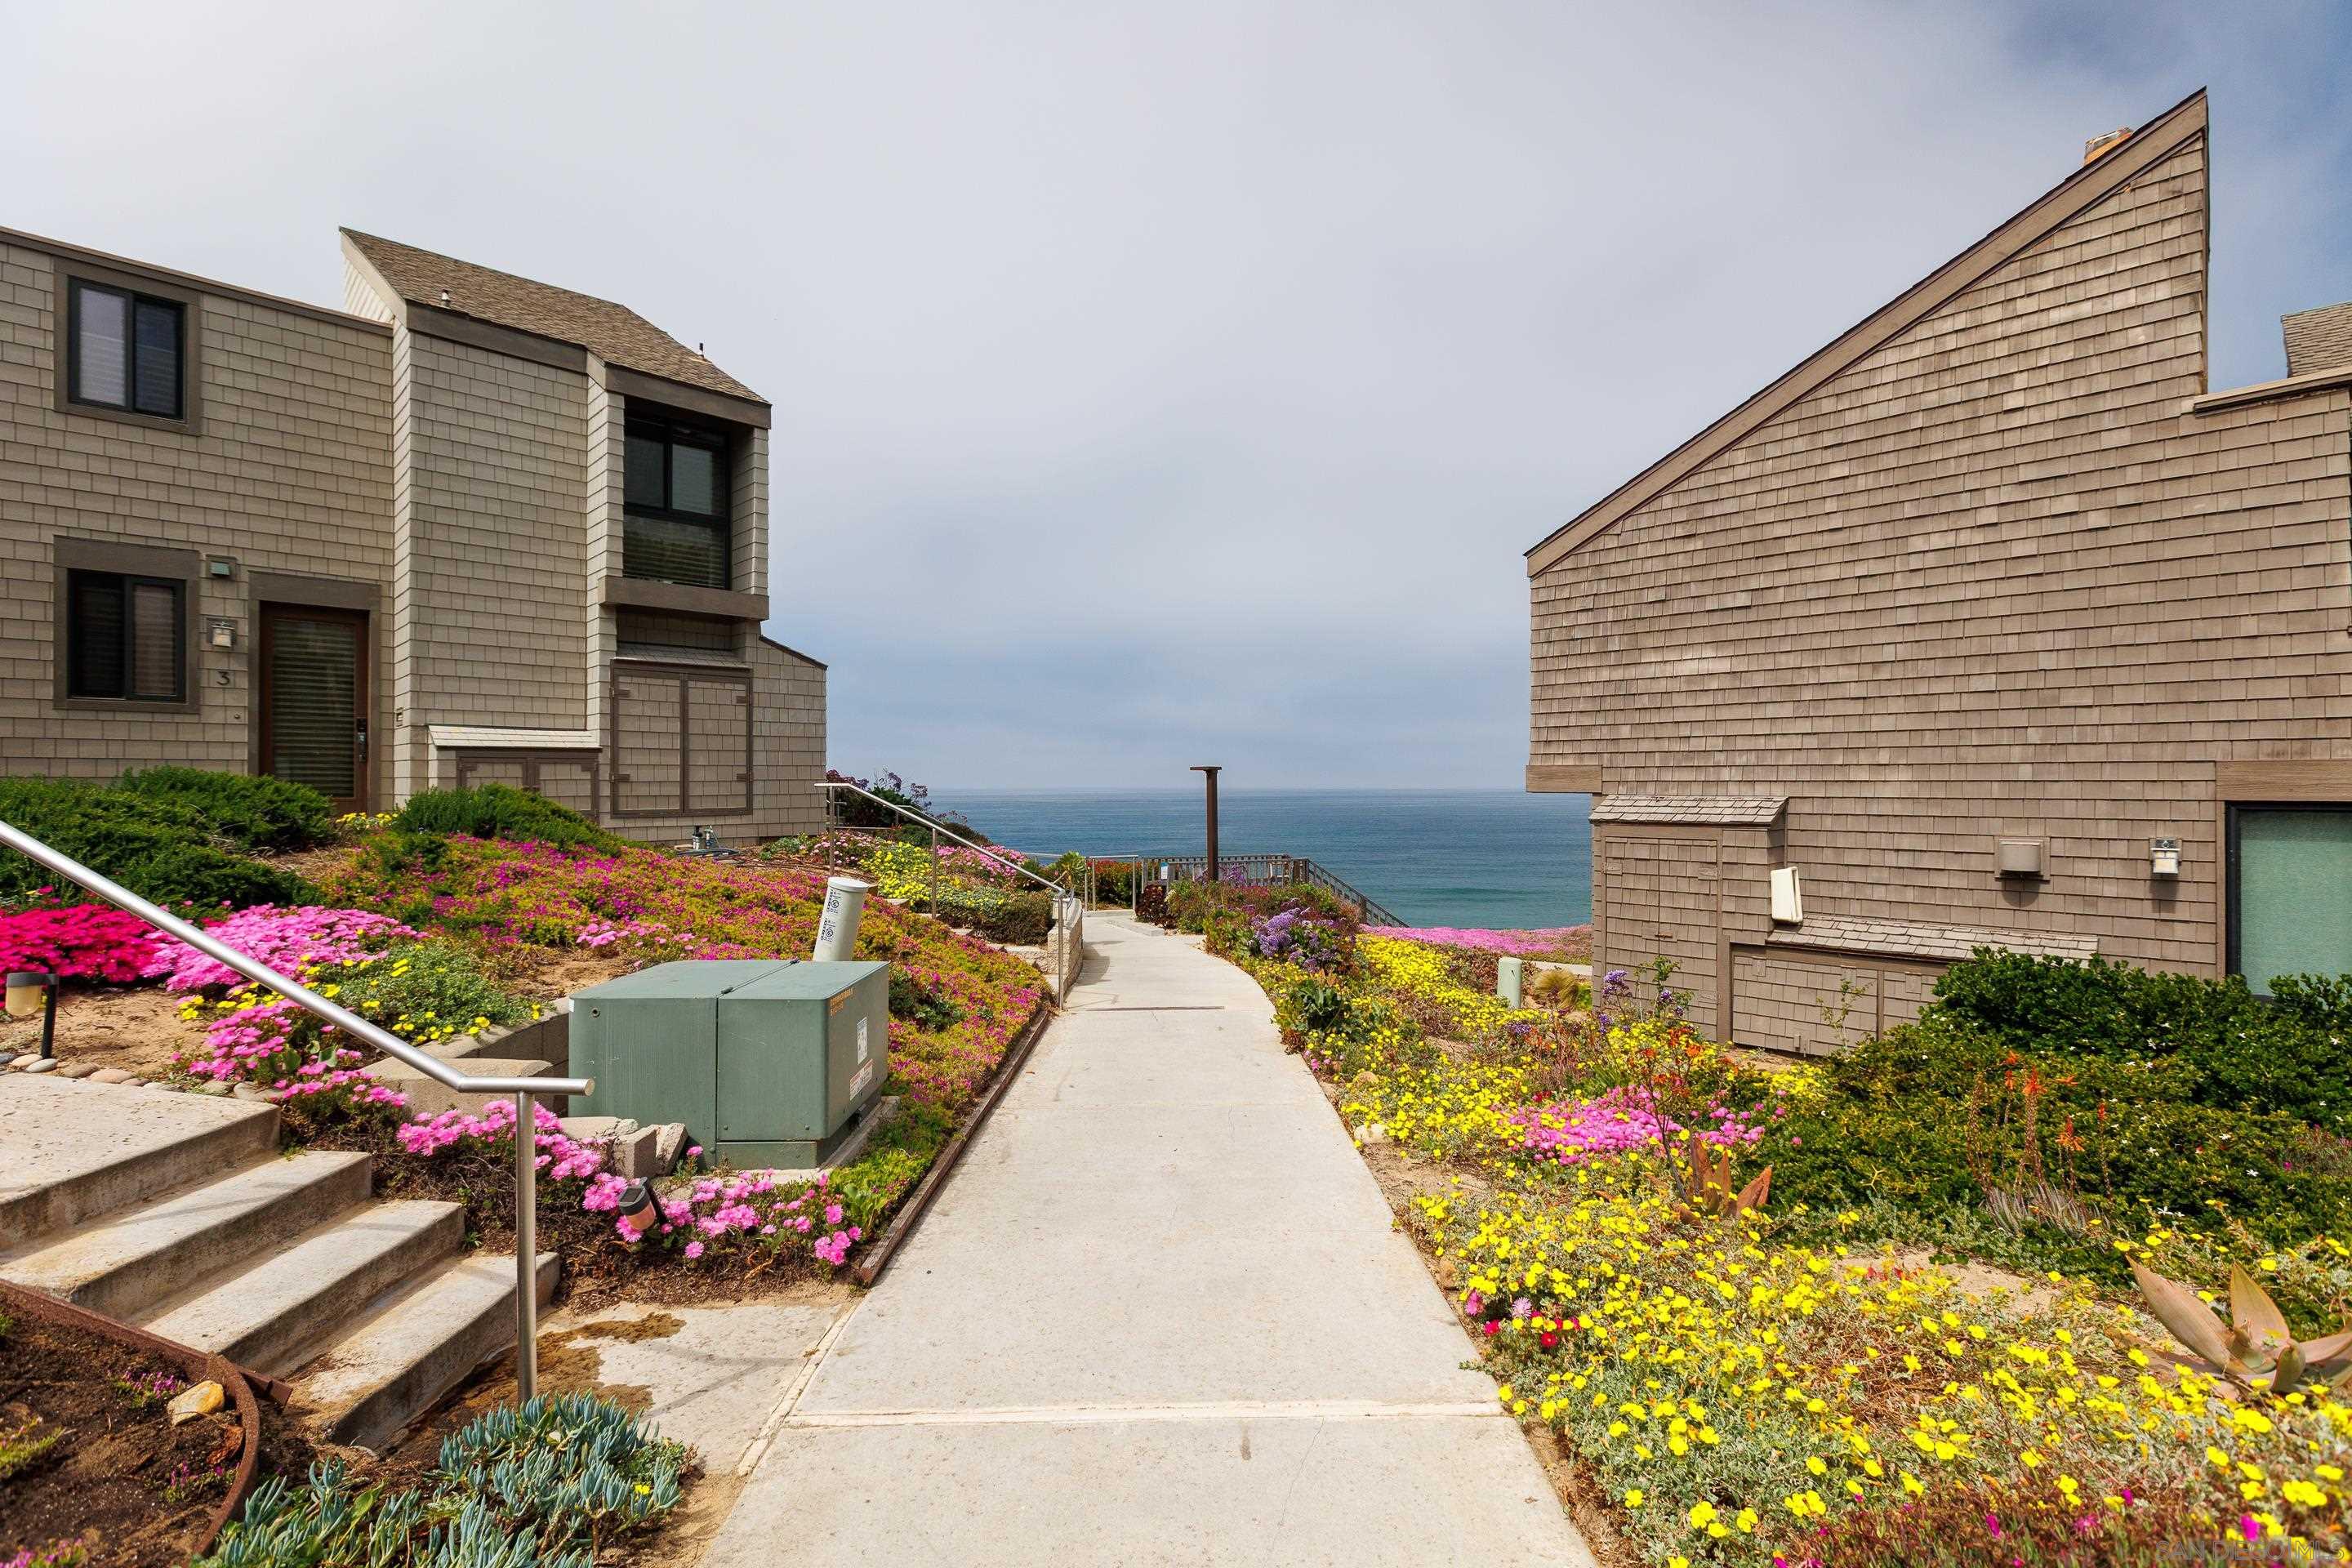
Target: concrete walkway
(1159, 1316)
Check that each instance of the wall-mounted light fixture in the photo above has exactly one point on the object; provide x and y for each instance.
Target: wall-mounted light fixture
(222, 566)
(2164, 857)
(220, 632)
(31, 988)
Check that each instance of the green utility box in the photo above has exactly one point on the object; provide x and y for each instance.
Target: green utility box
(769, 1063)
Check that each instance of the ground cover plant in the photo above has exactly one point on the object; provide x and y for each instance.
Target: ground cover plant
(432, 931)
(979, 891)
(957, 1005)
(1748, 1298)
(1564, 944)
(553, 1484)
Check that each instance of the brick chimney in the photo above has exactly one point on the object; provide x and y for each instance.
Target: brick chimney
(2318, 340)
(2098, 147)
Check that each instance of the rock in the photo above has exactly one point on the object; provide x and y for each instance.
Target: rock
(7, 1056)
(201, 1399)
(109, 1075)
(78, 1069)
(1370, 1133)
(670, 1143)
(43, 1063)
(1447, 1275)
(589, 1128)
(134, 1083)
(254, 1092)
(214, 1087)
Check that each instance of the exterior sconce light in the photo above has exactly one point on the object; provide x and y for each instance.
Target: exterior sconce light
(220, 632)
(220, 566)
(31, 988)
(2164, 857)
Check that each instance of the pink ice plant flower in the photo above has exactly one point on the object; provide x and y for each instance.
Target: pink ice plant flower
(711, 1211)
(1621, 1121)
(288, 939)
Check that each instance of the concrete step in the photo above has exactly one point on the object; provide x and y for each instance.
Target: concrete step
(132, 1259)
(69, 1154)
(429, 1095)
(271, 1313)
(415, 1346)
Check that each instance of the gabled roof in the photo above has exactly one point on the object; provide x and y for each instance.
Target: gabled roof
(2079, 192)
(613, 333)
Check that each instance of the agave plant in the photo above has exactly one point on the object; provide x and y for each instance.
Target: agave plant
(2256, 1347)
(1705, 1184)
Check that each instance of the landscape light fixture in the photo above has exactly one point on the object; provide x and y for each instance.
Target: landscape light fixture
(636, 1211)
(28, 988)
(1210, 771)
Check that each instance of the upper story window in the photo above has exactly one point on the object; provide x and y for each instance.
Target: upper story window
(125, 637)
(675, 487)
(124, 351)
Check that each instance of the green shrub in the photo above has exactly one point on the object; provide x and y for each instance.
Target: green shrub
(418, 988)
(250, 812)
(159, 848)
(1018, 920)
(2244, 1052)
(1935, 1116)
(502, 811)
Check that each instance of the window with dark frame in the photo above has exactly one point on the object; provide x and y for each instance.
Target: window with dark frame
(2290, 891)
(124, 351)
(674, 491)
(125, 637)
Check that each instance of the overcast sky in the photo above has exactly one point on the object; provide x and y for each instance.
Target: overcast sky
(1179, 383)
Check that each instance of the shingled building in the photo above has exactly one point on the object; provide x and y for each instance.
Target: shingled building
(469, 528)
(1991, 621)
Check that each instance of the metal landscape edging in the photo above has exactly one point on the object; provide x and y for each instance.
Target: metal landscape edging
(235, 1389)
(869, 1268)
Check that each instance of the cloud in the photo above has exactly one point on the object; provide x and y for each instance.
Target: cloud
(1156, 383)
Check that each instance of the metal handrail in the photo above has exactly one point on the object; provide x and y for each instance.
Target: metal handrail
(524, 1090)
(1065, 899)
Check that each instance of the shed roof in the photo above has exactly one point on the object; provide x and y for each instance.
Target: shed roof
(611, 331)
(1917, 938)
(1692, 810)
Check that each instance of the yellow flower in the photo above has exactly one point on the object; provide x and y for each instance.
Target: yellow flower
(1633, 1497)
(1702, 1514)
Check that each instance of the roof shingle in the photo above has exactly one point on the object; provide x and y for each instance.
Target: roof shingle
(613, 333)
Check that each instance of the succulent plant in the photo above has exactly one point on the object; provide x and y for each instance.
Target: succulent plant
(1705, 1184)
(542, 1486)
(2256, 1347)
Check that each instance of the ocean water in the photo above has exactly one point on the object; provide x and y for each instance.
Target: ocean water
(1454, 857)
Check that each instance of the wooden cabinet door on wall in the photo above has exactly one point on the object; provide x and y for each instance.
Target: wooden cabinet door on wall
(681, 743)
(1663, 901)
(717, 746)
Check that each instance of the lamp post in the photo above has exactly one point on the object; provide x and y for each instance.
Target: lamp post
(1209, 774)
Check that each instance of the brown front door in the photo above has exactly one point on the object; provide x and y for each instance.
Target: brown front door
(314, 700)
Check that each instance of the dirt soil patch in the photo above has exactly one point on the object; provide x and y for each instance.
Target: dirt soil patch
(137, 1029)
(89, 1455)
